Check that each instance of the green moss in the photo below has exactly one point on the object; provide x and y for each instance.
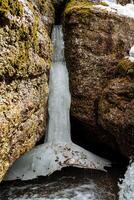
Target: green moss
(103, 4)
(4, 7)
(82, 8)
(14, 7)
(79, 6)
(25, 36)
(126, 68)
(45, 6)
(34, 34)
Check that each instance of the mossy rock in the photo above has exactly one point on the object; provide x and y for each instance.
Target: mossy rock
(84, 9)
(24, 30)
(14, 7)
(126, 68)
(79, 7)
(25, 60)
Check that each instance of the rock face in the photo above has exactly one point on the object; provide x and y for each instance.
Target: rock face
(116, 108)
(25, 60)
(95, 41)
(124, 2)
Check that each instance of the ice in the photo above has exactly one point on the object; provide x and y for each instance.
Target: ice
(127, 186)
(131, 54)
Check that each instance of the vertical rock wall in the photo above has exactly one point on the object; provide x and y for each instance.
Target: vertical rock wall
(96, 41)
(25, 60)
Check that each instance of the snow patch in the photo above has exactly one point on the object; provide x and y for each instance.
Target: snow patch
(127, 186)
(131, 54)
(127, 10)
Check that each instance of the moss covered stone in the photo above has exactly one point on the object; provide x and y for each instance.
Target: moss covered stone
(96, 43)
(81, 7)
(126, 68)
(14, 7)
(25, 60)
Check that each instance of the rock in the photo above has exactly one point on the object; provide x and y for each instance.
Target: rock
(96, 39)
(124, 2)
(25, 60)
(116, 109)
(47, 11)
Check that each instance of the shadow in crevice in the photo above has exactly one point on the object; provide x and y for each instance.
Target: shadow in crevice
(81, 136)
(59, 9)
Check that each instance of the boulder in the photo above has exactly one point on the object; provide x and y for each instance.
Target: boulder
(97, 38)
(25, 60)
(116, 108)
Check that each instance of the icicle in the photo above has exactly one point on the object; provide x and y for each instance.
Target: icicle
(58, 151)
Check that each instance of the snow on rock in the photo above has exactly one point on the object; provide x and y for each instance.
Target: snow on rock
(127, 10)
(127, 186)
(131, 54)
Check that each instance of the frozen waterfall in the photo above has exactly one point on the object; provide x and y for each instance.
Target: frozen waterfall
(58, 151)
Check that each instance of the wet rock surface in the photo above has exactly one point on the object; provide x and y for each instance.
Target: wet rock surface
(95, 42)
(75, 184)
(25, 60)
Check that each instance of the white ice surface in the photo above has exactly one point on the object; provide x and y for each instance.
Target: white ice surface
(131, 54)
(127, 186)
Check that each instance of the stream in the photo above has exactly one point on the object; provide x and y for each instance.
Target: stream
(68, 184)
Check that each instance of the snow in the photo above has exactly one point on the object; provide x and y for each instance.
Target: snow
(127, 186)
(131, 54)
(127, 10)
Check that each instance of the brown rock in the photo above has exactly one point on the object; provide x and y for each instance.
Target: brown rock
(116, 109)
(95, 41)
(124, 2)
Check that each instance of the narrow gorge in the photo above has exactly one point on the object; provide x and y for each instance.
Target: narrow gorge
(66, 100)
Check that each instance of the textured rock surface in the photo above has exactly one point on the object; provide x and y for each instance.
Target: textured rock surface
(25, 59)
(116, 108)
(124, 2)
(95, 41)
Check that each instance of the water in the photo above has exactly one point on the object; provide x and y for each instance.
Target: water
(69, 184)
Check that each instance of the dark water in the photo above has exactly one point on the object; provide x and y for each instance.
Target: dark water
(69, 184)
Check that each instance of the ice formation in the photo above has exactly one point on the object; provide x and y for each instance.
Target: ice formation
(127, 186)
(131, 54)
(58, 151)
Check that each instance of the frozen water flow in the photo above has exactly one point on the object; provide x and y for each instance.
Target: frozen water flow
(58, 151)
(127, 186)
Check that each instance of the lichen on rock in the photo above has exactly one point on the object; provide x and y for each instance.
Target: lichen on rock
(97, 42)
